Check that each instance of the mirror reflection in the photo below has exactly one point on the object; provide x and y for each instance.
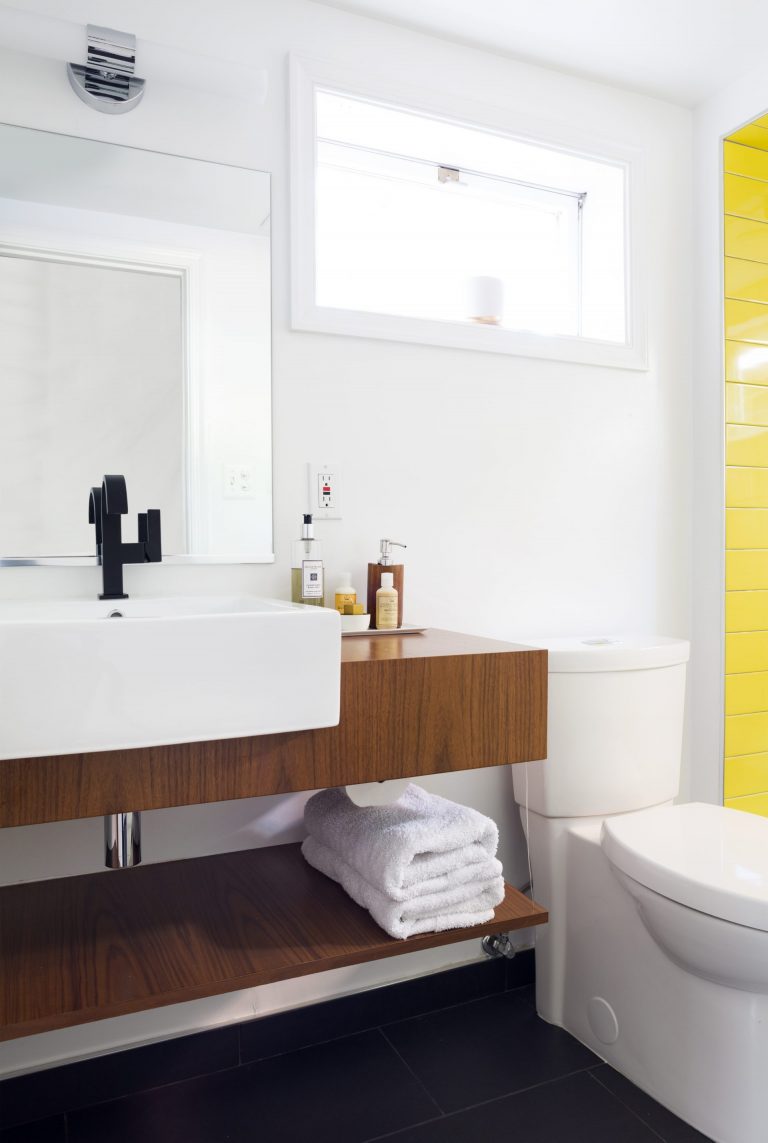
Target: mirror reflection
(134, 338)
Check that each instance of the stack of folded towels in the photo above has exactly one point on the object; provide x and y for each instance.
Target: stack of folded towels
(420, 865)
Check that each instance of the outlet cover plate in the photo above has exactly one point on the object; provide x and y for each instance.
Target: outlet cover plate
(324, 490)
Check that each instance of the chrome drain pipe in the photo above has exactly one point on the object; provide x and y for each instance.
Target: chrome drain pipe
(122, 840)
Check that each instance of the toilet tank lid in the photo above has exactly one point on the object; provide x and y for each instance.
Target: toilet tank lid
(612, 652)
(710, 858)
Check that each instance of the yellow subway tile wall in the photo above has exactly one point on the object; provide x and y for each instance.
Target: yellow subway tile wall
(746, 477)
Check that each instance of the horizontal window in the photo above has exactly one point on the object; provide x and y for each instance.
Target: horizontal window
(415, 227)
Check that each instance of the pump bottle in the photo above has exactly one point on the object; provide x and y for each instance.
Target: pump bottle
(307, 574)
(375, 571)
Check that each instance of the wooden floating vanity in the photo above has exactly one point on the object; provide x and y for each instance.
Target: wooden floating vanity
(83, 948)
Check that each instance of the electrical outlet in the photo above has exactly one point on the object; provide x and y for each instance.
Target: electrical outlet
(324, 490)
(238, 482)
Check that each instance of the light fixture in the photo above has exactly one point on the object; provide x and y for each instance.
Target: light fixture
(111, 56)
(106, 81)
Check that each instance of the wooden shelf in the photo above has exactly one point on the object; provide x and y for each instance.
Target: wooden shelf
(85, 948)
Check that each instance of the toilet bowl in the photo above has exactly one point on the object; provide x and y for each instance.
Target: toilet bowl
(698, 875)
(656, 953)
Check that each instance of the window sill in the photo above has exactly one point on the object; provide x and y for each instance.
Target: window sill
(455, 335)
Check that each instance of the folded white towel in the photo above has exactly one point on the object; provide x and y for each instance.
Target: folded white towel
(472, 863)
(457, 908)
(400, 848)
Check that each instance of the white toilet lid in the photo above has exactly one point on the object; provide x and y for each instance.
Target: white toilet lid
(706, 857)
(612, 652)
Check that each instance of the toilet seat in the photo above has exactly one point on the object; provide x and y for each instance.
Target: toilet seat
(710, 858)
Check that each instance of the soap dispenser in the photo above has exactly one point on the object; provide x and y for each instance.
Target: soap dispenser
(375, 572)
(307, 567)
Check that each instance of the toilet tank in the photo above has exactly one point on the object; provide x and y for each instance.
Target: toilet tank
(614, 727)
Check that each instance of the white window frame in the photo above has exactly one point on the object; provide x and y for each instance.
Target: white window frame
(306, 75)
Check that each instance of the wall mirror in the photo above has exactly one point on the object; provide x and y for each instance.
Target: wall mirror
(135, 328)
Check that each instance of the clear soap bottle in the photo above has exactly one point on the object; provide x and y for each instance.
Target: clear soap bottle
(307, 572)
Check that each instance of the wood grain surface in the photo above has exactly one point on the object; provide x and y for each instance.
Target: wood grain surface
(410, 705)
(85, 948)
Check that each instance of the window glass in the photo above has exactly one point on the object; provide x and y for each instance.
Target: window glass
(424, 218)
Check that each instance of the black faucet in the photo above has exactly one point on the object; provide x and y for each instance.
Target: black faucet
(107, 504)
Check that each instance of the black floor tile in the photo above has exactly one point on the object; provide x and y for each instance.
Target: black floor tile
(55, 1090)
(302, 1027)
(663, 1122)
(521, 969)
(486, 1049)
(571, 1110)
(342, 1092)
(44, 1131)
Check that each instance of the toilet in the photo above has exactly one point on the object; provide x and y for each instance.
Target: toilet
(656, 951)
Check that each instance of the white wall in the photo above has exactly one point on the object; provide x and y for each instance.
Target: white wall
(535, 497)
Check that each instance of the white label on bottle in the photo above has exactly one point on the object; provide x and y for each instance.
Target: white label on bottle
(312, 579)
(386, 611)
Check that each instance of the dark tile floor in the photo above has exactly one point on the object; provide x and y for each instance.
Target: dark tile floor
(482, 1068)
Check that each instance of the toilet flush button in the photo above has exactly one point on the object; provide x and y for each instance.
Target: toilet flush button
(602, 1020)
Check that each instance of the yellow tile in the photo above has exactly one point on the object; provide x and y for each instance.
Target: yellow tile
(746, 733)
(746, 611)
(745, 652)
(747, 694)
(754, 804)
(746, 528)
(753, 135)
(745, 280)
(746, 363)
(749, 161)
(746, 487)
(746, 321)
(745, 239)
(746, 571)
(747, 774)
(746, 447)
(746, 404)
(746, 198)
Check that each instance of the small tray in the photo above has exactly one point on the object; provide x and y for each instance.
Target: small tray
(404, 630)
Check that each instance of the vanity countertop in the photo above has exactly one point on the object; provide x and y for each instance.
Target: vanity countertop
(433, 643)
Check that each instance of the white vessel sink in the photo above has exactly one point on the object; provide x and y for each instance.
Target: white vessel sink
(74, 679)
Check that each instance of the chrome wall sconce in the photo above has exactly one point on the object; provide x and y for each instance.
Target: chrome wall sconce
(106, 82)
